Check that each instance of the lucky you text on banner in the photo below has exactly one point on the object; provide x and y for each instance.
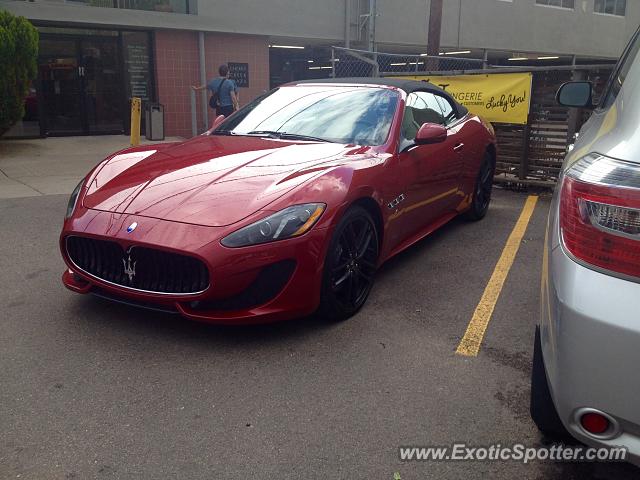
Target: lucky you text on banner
(499, 97)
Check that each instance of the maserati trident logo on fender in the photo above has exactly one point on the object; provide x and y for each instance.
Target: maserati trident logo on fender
(129, 270)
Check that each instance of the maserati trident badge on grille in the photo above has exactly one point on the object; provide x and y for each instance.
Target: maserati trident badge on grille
(132, 227)
(129, 270)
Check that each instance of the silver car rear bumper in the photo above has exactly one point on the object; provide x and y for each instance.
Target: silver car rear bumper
(590, 333)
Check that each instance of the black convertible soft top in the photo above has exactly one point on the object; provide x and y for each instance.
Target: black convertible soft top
(407, 85)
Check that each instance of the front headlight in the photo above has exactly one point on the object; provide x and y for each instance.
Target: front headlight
(290, 222)
(73, 199)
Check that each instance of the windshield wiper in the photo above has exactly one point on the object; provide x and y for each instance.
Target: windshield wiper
(222, 132)
(288, 136)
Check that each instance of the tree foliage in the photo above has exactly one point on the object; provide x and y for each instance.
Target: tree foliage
(18, 66)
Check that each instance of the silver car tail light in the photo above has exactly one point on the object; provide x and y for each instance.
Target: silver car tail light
(600, 214)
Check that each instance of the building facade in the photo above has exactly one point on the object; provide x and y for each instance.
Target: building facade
(97, 54)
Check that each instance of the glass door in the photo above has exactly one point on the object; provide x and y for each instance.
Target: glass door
(102, 85)
(61, 88)
(81, 85)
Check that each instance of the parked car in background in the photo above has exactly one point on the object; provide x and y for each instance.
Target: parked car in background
(287, 206)
(587, 347)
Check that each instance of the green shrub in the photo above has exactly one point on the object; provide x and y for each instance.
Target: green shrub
(18, 66)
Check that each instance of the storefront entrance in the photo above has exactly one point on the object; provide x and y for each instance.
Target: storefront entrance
(86, 78)
(81, 85)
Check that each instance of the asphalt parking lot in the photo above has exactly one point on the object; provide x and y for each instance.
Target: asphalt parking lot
(91, 389)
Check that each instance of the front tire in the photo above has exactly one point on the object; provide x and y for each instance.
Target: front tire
(482, 190)
(350, 265)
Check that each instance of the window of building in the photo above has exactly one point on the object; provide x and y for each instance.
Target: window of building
(169, 6)
(611, 7)
(569, 4)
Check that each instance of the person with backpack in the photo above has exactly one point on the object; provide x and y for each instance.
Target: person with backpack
(224, 93)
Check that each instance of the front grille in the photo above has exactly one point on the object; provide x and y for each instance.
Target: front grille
(140, 268)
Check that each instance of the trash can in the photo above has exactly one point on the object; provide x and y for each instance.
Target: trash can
(154, 120)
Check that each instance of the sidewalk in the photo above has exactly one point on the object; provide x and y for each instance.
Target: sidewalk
(50, 166)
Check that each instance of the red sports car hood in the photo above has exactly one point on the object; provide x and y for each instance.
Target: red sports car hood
(210, 180)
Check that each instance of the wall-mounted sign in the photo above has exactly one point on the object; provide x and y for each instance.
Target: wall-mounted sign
(239, 72)
(137, 65)
(496, 97)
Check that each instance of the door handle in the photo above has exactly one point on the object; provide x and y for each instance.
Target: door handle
(458, 147)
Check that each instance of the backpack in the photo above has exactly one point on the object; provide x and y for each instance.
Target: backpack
(215, 97)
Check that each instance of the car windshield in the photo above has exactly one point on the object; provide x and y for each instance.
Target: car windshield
(358, 115)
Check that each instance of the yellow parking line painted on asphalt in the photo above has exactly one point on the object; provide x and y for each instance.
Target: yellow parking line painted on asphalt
(470, 344)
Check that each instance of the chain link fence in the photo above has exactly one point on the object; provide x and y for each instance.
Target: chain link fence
(348, 62)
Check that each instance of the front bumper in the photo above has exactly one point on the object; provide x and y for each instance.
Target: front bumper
(590, 334)
(238, 276)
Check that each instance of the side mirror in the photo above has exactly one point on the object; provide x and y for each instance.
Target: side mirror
(216, 123)
(431, 133)
(576, 95)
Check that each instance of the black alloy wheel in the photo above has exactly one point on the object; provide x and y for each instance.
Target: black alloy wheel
(482, 190)
(350, 265)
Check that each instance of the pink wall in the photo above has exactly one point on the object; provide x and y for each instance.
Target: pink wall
(177, 68)
(223, 48)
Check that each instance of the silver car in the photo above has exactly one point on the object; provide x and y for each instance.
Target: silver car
(586, 365)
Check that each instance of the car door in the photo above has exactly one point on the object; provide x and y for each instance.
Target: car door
(431, 172)
(470, 152)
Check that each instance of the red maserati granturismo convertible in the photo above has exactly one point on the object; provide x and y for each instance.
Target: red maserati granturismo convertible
(284, 208)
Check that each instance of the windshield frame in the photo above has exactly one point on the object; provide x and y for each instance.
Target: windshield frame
(400, 97)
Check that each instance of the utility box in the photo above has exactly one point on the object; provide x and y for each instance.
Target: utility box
(154, 120)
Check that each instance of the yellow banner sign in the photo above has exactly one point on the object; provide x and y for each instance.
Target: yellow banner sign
(499, 97)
